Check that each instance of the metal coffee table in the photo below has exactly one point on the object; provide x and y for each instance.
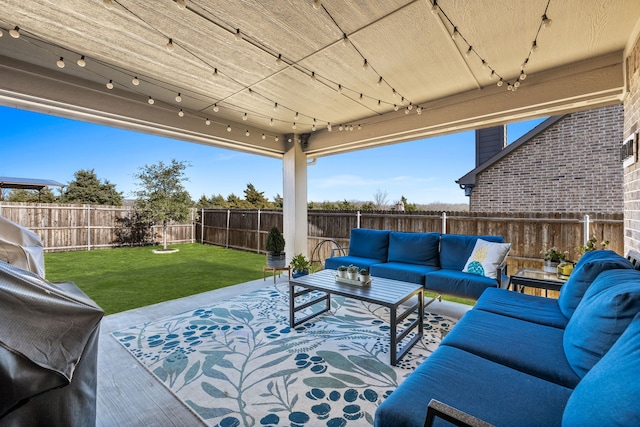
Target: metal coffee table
(388, 293)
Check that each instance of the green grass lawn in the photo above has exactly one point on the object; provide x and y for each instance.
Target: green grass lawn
(125, 278)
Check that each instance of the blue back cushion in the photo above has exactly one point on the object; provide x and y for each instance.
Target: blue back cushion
(585, 272)
(455, 249)
(414, 248)
(607, 308)
(366, 243)
(609, 394)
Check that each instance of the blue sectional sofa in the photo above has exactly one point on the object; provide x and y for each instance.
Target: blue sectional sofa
(522, 360)
(433, 260)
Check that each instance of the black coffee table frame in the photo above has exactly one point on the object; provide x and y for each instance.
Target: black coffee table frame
(385, 292)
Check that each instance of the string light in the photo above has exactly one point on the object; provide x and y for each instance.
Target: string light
(345, 40)
(455, 34)
(181, 4)
(215, 73)
(419, 110)
(110, 85)
(340, 89)
(238, 35)
(395, 107)
(244, 117)
(379, 81)
(279, 59)
(207, 122)
(294, 126)
(546, 22)
(329, 128)
(151, 101)
(15, 33)
(60, 62)
(135, 81)
(270, 122)
(264, 136)
(216, 108)
(178, 97)
(316, 4)
(296, 117)
(247, 133)
(468, 52)
(108, 4)
(313, 75)
(170, 46)
(181, 113)
(81, 62)
(365, 65)
(228, 128)
(277, 139)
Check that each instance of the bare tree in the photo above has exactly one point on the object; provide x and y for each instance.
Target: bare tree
(380, 200)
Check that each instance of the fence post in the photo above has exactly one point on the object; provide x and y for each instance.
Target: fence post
(193, 224)
(258, 231)
(444, 223)
(202, 226)
(88, 227)
(228, 222)
(358, 220)
(586, 228)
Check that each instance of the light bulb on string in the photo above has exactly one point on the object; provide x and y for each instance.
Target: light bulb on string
(294, 126)
(313, 75)
(500, 83)
(365, 64)
(546, 22)
(15, 32)
(296, 117)
(151, 101)
(329, 128)
(215, 73)
(279, 59)
(339, 88)
(247, 133)
(534, 46)
(60, 62)
(419, 110)
(108, 4)
(492, 75)
(361, 97)
(350, 127)
(271, 122)
(395, 107)
(406, 111)
(379, 81)
(216, 108)
(345, 40)
(359, 127)
(434, 7)
(110, 85)
(340, 128)
(228, 128)
(238, 35)
(516, 84)
(468, 52)
(455, 33)
(178, 97)
(484, 64)
(277, 139)
(275, 107)
(181, 113)
(170, 46)
(379, 103)
(523, 75)
(1, 33)
(313, 127)
(316, 4)
(264, 136)
(207, 122)
(135, 81)
(81, 62)
(410, 107)
(244, 117)
(181, 4)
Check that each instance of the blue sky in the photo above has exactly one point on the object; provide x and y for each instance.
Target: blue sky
(36, 145)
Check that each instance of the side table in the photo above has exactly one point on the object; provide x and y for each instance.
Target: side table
(275, 270)
(535, 278)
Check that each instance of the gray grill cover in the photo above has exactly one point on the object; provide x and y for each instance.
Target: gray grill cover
(21, 247)
(48, 351)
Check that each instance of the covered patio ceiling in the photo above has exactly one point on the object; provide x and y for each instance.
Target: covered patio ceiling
(344, 75)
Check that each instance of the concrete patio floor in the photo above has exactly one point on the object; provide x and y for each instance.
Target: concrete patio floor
(128, 395)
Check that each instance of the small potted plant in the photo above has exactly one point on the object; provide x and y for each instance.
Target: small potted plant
(592, 245)
(352, 272)
(275, 249)
(553, 257)
(300, 265)
(365, 277)
(342, 271)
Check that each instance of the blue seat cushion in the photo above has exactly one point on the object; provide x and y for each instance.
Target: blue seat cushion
(412, 273)
(607, 308)
(455, 249)
(414, 248)
(335, 262)
(452, 282)
(366, 243)
(609, 394)
(492, 392)
(584, 273)
(531, 308)
(528, 347)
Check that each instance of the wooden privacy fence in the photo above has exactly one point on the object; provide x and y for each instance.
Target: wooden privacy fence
(66, 227)
(530, 234)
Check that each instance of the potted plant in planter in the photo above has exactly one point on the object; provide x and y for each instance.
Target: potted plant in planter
(553, 257)
(275, 249)
(365, 277)
(342, 271)
(352, 272)
(300, 265)
(592, 245)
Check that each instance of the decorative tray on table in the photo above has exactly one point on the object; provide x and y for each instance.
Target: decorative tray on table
(353, 282)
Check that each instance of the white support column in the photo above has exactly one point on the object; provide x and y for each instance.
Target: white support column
(295, 199)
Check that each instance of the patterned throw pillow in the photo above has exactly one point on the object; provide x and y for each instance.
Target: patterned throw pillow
(486, 257)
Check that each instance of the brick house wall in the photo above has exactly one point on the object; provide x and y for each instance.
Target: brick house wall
(571, 166)
(632, 173)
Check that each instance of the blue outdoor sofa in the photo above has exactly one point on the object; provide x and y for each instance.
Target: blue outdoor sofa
(430, 259)
(523, 360)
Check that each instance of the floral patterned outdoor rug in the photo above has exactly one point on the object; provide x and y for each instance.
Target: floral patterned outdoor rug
(238, 363)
